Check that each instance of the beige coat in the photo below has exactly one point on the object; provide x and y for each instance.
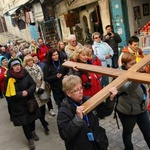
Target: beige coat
(69, 49)
(37, 75)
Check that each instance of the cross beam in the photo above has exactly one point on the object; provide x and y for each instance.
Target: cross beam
(121, 76)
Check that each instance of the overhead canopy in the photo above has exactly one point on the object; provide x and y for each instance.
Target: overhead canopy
(10, 12)
(13, 10)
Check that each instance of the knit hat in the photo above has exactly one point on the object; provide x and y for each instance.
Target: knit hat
(2, 58)
(33, 54)
(13, 62)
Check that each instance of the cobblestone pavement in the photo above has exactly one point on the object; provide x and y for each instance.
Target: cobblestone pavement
(12, 138)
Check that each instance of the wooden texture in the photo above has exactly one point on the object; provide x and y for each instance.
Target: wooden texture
(121, 76)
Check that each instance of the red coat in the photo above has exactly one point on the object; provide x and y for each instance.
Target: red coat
(2, 76)
(95, 84)
(96, 61)
(42, 51)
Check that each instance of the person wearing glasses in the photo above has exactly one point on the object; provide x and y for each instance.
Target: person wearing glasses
(90, 80)
(104, 52)
(72, 46)
(76, 129)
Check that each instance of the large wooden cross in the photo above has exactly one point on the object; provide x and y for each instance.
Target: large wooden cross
(122, 76)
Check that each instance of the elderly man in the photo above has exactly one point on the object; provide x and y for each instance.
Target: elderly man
(72, 46)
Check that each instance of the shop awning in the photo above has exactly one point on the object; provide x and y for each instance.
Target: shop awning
(10, 12)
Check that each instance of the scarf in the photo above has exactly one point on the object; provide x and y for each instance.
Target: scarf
(17, 75)
(103, 46)
(11, 91)
(35, 72)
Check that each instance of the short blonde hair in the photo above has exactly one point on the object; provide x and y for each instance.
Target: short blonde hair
(69, 82)
(79, 51)
(26, 59)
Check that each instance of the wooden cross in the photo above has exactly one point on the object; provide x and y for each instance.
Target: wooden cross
(122, 76)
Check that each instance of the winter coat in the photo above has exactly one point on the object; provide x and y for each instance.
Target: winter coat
(2, 73)
(50, 75)
(20, 115)
(89, 77)
(101, 50)
(73, 130)
(96, 61)
(113, 42)
(38, 77)
(2, 76)
(69, 49)
(139, 54)
(131, 99)
(42, 51)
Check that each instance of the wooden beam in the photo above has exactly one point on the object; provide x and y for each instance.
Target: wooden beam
(121, 76)
(103, 94)
(96, 69)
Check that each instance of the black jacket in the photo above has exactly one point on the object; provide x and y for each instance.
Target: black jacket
(50, 75)
(113, 42)
(73, 130)
(20, 115)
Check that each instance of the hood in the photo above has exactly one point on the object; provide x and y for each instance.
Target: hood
(1, 57)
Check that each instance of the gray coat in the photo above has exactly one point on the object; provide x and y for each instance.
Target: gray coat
(130, 101)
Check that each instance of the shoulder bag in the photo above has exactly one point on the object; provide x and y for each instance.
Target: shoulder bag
(46, 94)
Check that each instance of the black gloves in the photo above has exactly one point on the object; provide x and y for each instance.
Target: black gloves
(40, 91)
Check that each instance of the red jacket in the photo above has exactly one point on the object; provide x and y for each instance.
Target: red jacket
(95, 84)
(96, 61)
(42, 51)
(2, 76)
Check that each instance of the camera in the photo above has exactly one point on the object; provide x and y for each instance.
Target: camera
(87, 85)
(109, 34)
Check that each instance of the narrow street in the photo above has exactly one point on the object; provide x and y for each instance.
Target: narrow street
(12, 138)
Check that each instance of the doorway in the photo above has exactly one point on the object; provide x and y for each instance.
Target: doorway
(96, 20)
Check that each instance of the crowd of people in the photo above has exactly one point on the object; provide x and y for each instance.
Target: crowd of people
(26, 71)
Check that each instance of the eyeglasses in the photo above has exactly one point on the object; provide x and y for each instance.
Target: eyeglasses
(74, 41)
(97, 37)
(77, 90)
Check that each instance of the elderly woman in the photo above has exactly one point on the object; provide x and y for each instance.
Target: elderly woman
(37, 74)
(104, 52)
(19, 89)
(77, 130)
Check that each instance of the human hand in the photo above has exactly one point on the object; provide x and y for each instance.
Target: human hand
(75, 68)
(107, 36)
(79, 111)
(113, 92)
(107, 56)
(112, 34)
(59, 75)
(24, 93)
